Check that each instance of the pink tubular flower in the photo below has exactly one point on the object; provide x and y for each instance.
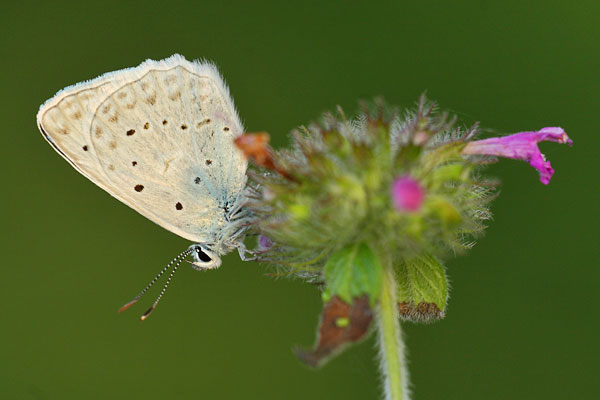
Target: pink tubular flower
(522, 146)
(407, 194)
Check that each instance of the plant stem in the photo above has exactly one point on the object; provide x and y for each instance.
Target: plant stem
(391, 347)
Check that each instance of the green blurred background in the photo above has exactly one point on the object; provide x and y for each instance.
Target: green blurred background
(523, 316)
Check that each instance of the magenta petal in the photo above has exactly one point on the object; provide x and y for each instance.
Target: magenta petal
(407, 194)
(522, 146)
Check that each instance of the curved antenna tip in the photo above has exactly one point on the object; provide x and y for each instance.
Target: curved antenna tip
(126, 306)
(147, 313)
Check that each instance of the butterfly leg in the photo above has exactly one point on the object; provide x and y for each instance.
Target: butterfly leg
(245, 254)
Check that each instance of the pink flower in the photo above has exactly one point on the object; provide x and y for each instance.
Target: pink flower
(407, 194)
(522, 146)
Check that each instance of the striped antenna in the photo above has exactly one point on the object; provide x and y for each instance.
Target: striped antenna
(164, 289)
(177, 260)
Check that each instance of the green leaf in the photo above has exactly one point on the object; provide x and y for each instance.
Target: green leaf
(421, 285)
(353, 271)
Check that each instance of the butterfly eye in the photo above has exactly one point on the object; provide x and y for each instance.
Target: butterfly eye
(201, 255)
(204, 257)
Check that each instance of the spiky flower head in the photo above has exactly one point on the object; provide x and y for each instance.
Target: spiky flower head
(394, 180)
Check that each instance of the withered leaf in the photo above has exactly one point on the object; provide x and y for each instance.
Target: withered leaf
(341, 325)
(422, 312)
(255, 147)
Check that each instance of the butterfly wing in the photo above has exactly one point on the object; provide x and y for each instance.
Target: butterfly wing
(159, 137)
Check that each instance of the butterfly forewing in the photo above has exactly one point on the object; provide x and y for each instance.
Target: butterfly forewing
(65, 120)
(158, 137)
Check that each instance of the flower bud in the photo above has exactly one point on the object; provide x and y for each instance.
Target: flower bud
(407, 194)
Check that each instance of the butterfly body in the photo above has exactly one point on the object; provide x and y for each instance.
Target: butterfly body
(159, 137)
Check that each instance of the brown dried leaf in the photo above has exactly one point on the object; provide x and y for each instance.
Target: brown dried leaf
(255, 147)
(422, 312)
(341, 324)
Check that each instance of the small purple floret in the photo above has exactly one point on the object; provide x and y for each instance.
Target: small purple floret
(407, 194)
(264, 242)
(522, 146)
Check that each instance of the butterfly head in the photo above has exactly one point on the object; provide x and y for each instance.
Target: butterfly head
(204, 257)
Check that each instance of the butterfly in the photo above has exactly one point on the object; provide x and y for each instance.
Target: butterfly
(159, 138)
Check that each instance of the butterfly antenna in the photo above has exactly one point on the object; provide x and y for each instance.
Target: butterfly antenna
(177, 260)
(164, 289)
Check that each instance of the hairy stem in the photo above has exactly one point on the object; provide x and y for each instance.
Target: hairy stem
(391, 346)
